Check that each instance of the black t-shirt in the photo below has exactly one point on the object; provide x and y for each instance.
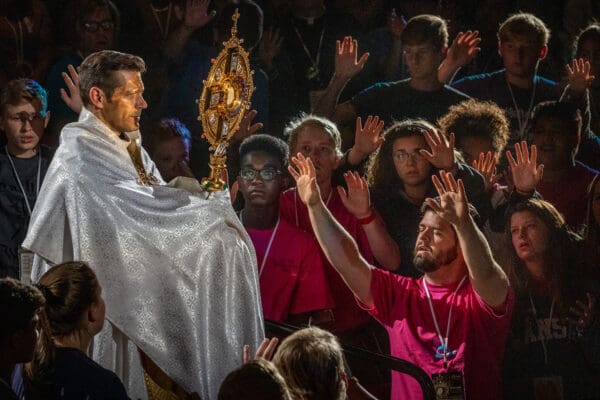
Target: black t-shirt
(14, 215)
(396, 101)
(76, 377)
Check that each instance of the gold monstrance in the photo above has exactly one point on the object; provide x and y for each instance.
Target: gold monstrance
(225, 98)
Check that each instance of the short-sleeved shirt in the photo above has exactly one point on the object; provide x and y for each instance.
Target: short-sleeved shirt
(292, 280)
(477, 332)
(494, 87)
(395, 101)
(569, 195)
(346, 312)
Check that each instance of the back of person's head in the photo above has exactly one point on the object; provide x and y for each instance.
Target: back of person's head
(274, 147)
(19, 305)
(591, 33)
(167, 129)
(312, 363)
(381, 172)
(524, 27)
(255, 380)
(70, 290)
(19, 91)
(295, 127)
(473, 118)
(423, 29)
(566, 113)
(249, 25)
(99, 70)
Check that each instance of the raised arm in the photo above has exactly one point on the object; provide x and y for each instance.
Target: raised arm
(339, 247)
(346, 67)
(488, 279)
(357, 201)
(460, 53)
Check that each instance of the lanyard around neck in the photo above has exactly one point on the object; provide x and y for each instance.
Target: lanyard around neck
(314, 61)
(522, 119)
(264, 260)
(543, 340)
(443, 339)
(38, 180)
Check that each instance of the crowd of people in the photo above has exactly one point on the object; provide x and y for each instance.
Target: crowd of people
(413, 179)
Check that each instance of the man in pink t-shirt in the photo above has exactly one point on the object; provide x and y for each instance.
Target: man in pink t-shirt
(293, 285)
(452, 322)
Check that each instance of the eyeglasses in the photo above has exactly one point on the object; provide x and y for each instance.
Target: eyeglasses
(24, 116)
(268, 174)
(93, 26)
(402, 156)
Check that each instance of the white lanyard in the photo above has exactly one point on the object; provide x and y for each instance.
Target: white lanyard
(164, 31)
(522, 118)
(296, 204)
(550, 321)
(264, 261)
(39, 173)
(314, 61)
(18, 40)
(443, 340)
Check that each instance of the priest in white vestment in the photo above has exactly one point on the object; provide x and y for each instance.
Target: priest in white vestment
(177, 269)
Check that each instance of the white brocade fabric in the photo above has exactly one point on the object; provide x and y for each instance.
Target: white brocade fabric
(177, 269)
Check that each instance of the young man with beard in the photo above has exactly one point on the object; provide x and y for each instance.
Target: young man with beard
(452, 322)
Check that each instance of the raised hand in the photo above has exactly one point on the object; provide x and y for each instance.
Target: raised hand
(442, 150)
(367, 139)
(73, 98)
(265, 350)
(270, 45)
(525, 172)
(247, 128)
(578, 75)
(583, 313)
(396, 24)
(346, 64)
(463, 48)
(453, 205)
(306, 179)
(486, 165)
(196, 14)
(356, 199)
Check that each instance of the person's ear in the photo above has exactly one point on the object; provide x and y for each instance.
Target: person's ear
(97, 97)
(543, 52)
(46, 119)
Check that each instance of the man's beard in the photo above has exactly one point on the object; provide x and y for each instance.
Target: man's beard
(427, 264)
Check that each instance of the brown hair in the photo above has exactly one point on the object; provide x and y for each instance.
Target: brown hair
(255, 380)
(425, 28)
(80, 11)
(69, 290)
(473, 118)
(19, 91)
(312, 362)
(98, 69)
(18, 305)
(166, 129)
(293, 129)
(524, 26)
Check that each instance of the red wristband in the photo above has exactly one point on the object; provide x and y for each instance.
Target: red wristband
(369, 218)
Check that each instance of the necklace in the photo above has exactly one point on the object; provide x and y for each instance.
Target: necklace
(18, 39)
(264, 260)
(313, 71)
(164, 30)
(522, 119)
(543, 339)
(442, 351)
(39, 173)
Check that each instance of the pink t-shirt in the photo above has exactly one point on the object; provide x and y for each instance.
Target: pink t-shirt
(347, 314)
(292, 280)
(477, 332)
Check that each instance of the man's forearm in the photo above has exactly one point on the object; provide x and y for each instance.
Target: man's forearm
(325, 107)
(488, 279)
(384, 248)
(341, 251)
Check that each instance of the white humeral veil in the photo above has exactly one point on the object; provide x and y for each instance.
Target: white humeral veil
(177, 269)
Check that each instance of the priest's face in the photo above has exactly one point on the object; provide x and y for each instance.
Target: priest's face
(23, 126)
(123, 110)
(261, 179)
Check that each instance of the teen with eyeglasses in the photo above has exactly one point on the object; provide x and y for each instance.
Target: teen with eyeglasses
(293, 285)
(23, 164)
